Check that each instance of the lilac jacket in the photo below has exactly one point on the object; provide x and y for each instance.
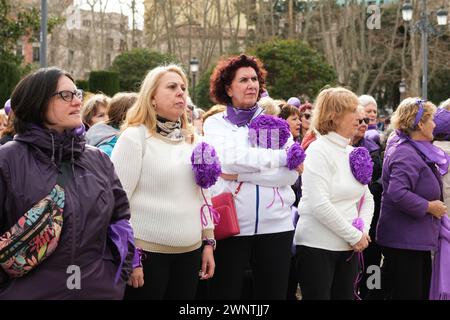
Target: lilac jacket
(94, 200)
(408, 184)
(373, 134)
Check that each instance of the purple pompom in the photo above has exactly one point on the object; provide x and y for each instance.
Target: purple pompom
(358, 223)
(295, 156)
(361, 164)
(206, 165)
(269, 132)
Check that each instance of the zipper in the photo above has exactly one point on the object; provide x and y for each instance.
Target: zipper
(18, 238)
(25, 241)
(257, 209)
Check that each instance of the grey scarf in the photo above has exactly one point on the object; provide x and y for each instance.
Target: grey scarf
(169, 129)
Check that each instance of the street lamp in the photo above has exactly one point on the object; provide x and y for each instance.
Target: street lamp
(402, 87)
(193, 64)
(43, 35)
(425, 28)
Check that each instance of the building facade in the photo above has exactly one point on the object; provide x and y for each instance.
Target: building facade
(86, 40)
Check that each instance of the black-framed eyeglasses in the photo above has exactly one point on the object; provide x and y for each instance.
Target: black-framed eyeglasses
(67, 95)
(366, 120)
(307, 116)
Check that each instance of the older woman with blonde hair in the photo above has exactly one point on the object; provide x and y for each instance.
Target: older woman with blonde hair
(152, 159)
(326, 234)
(411, 206)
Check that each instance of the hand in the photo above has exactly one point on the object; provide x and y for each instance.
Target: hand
(362, 244)
(300, 168)
(437, 208)
(208, 263)
(229, 176)
(137, 278)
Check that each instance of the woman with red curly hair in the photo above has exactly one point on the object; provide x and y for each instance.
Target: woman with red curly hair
(263, 199)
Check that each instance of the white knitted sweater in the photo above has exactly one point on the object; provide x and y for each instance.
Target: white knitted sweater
(164, 199)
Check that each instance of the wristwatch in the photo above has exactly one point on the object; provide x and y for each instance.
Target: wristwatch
(210, 242)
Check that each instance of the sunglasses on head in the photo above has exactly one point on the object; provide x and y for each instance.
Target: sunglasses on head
(366, 120)
(307, 116)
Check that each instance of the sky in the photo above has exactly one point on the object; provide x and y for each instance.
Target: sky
(117, 6)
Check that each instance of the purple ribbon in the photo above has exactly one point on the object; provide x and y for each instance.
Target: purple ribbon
(358, 223)
(419, 113)
(275, 193)
(213, 213)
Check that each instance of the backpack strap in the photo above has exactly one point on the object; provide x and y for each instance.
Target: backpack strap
(143, 132)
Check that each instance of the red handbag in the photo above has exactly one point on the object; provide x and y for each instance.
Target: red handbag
(228, 225)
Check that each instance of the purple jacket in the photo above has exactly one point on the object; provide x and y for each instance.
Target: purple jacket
(408, 184)
(94, 199)
(373, 134)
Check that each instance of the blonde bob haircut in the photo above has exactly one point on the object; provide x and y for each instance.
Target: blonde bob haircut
(331, 104)
(142, 112)
(404, 117)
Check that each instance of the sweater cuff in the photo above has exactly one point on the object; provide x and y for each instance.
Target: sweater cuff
(356, 239)
(208, 233)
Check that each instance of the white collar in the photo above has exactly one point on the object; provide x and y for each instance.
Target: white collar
(337, 139)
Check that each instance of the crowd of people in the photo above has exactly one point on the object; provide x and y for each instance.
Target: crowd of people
(106, 185)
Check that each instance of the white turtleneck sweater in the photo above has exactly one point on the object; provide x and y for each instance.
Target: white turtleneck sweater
(164, 199)
(330, 197)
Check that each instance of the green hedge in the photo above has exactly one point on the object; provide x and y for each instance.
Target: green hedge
(82, 84)
(10, 76)
(104, 81)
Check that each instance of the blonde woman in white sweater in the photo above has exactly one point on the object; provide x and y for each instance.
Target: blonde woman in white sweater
(152, 160)
(325, 235)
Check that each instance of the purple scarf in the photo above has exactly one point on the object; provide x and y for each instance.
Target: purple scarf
(240, 117)
(121, 234)
(431, 153)
(440, 279)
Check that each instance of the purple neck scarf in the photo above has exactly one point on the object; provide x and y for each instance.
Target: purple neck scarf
(430, 152)
(240, 117)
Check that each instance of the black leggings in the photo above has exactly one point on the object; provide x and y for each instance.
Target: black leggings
(268, 255)
(325, 274)
(168, 276)
(406, 274)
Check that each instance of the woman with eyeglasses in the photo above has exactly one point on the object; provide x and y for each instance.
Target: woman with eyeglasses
(372, 255)
(50, 161)
(411, 206)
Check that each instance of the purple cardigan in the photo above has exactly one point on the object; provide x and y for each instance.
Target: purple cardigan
(408, 184)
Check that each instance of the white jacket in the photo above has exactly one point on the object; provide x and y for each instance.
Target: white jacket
(263, 203)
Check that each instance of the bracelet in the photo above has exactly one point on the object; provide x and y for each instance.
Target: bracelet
(210, 242)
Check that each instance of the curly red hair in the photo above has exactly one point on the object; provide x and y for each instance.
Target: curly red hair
(225, 71)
